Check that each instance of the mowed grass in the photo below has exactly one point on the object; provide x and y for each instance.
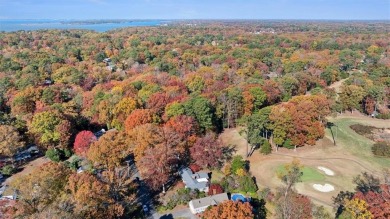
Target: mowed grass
(356, 144)
(309, 174)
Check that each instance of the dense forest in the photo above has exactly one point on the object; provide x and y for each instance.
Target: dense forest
(164, 94)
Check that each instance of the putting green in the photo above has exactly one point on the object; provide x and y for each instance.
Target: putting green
(309, 173)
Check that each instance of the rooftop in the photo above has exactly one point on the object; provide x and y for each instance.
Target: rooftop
(210, 200)
(197, 180)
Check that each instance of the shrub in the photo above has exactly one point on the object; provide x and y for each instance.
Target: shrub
(288, 144)
(240, 172)
(362, 129)
(238, 163)
(383, 116)
(381, 149)
(227, 170)
(8, 170)
(215, 189)
(54, 154)
(266, 148)
(183, 196)
(247, 184)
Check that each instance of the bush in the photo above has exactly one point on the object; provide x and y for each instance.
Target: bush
(247, 184)
(182, 197)
(383, 116)
(54, 154)
(381, 149)
(238, 163)
(288, 144)
(362, 129)
(266, 148)
(215, 187)
(8, 170)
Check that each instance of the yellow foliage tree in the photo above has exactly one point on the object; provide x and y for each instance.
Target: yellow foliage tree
(358, 209)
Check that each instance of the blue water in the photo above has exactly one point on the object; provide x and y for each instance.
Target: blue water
(236, 197)
(15, 25)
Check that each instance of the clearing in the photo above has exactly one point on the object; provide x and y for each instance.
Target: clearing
(349, 157)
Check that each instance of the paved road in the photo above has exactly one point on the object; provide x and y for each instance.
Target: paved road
(143, 194)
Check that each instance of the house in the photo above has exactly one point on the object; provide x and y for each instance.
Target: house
(199, 205)
(198, 180)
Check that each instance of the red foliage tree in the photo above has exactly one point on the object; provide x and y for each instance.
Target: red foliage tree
(158, 101)
(271, 88)
(195, 168)
(207, 151)
(215, 189)
(378, 203)
(185, 126)
(82, 142)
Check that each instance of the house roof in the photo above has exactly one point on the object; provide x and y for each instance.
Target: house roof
(210, 200)
(191, 181)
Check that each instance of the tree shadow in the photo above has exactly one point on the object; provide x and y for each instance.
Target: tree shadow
(228, 151)
(259, 208)
(329, 125)
(167, 216)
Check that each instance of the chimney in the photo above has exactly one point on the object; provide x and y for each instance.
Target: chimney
(214, 191)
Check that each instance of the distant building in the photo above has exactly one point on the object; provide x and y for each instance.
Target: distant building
(199, 205)
(106, 60)
(272, 75)
(198, 180)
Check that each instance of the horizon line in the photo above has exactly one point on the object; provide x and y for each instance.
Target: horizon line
(204, 19)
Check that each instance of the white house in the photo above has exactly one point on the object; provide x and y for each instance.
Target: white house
(199, 205)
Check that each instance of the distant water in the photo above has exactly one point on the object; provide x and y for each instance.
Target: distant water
(15, 25)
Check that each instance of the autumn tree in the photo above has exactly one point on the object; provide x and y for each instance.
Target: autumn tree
(207, 151)
(45, 125)
(91, 197)
(286, 195)
(351, 96)
(82, 142)
(229, 210)
(139, 117)
(166, 149)
(122, 110)
(299, 121)
(10, 140)
(357, 208)
(40, 189)
(109, 150)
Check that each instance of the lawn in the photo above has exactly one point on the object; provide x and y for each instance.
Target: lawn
(356, 144)
(308, 174)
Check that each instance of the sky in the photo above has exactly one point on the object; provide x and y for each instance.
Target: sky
(196, 9)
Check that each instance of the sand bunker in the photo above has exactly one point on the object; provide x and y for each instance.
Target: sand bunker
(326, 171)
(323, 188)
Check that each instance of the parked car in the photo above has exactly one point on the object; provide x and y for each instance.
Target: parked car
(145, 208)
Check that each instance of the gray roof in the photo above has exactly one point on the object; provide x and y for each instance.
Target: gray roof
(210, 200)
(190, 179)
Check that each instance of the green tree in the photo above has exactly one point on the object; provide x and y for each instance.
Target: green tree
(201, 109)
(259, 97)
